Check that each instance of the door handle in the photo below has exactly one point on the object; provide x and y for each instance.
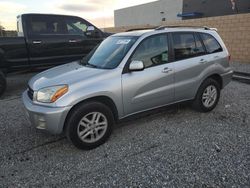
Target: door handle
(167, 70)
(72, 41)
(203, 61)
(37, 42)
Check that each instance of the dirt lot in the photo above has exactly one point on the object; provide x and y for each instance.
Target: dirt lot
(174, 146)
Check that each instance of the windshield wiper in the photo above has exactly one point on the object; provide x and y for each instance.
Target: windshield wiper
(88, 64)
(91, 65)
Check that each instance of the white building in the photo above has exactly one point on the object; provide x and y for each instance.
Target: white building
(151, 13)
(166, 10)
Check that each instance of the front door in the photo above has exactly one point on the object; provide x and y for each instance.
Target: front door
(153, 86)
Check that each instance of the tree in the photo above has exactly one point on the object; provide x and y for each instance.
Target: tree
(1, 29)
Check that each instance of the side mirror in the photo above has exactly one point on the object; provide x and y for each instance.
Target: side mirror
(90, 28)
(90, 31)
(136, 66)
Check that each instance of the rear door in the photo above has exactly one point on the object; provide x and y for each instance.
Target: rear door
(153, 86)
(190, 61)
(46, 40)
(214, 50)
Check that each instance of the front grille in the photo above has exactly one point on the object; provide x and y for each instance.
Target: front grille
(30, 93)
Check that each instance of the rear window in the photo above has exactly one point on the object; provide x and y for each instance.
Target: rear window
(211, 44)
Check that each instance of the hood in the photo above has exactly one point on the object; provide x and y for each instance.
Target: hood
(64, 74)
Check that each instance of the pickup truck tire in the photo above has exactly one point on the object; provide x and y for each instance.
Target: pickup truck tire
(207, 96)
(89, 125)
(2, 83)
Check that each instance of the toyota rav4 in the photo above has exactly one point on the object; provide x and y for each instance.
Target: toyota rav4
(128, 73)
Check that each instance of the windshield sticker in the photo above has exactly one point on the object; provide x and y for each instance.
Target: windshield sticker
(123, 41)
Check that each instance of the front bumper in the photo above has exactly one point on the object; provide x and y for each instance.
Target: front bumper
(50, 119)
(226, 78)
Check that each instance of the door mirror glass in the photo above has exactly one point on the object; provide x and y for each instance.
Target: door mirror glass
(136, 66)
(90, 28)
(76, 26)
(91, 32)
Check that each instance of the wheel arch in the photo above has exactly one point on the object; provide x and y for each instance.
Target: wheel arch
(102, 99)
(214, 76)
(217, 78)
(197, 100)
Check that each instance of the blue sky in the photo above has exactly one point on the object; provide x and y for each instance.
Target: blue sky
(99, 12)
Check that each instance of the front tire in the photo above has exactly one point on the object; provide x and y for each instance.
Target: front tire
(207, 96)
(89, 125)
(2, 84)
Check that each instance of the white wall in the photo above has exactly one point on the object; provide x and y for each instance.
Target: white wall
(149, 13)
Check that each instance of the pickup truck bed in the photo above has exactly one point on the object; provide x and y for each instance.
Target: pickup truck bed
(13, 53)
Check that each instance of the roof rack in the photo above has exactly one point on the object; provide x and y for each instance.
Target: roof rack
(172, 26)
(176, 26)
(137, 29)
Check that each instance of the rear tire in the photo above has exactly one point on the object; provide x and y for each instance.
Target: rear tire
(207, 96)
(89, 125)
(2, 84)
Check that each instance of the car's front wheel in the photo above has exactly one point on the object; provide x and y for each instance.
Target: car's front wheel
(89, 125)
(207, 96)
(2, 83)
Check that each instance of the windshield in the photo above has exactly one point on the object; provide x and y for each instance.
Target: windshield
(109, 53)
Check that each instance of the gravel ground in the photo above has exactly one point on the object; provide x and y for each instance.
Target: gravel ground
(171, 147)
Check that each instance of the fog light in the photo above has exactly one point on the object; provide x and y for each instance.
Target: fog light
(41, 124)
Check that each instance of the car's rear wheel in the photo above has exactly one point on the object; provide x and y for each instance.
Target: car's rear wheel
(207, 96)
(2, 83)
(89, 125)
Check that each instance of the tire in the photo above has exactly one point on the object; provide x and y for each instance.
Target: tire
(208, 91)
(2, 84)
(79, 124)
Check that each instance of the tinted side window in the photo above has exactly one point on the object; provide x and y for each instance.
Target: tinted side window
(152, 51)
(184, 45)
(46, 25)
(76, 26)
(211, 43)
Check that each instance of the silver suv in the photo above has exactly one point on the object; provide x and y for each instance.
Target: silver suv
(126, 74)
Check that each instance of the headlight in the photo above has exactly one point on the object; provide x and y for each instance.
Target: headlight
(51, 94)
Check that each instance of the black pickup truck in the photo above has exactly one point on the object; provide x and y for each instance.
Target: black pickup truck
(46, 40)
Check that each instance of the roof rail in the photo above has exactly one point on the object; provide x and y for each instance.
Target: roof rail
(176, 26)
(137, 29)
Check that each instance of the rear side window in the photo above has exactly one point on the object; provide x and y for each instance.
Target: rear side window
(211, 44)
(46, 25)
(186, 45)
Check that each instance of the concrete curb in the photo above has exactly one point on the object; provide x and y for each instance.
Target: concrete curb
(241, 76)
